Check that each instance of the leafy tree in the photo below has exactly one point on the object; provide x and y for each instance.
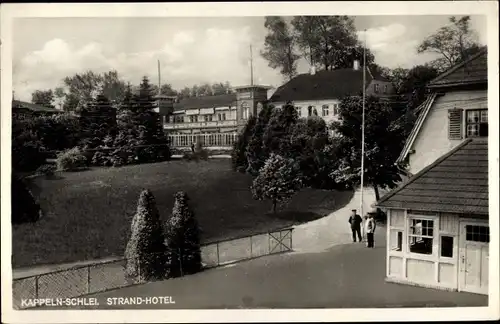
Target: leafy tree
(411, 92)
(238, 155)
(166, 90)
(183, 239)
(383, 143)
(280, 51)
(454, 43)
(308, 138)
(145, 252)
(278, 180)
(276, 138)
(329, 42)
(255, 152)
(59, 96)
(83, 88)
(43, 97)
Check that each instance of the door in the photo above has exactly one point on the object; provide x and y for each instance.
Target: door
(474, 257)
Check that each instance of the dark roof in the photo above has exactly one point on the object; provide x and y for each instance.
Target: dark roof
(322, 85)
(474, 70)
(206, 102)
(457, 182)
(16, 104)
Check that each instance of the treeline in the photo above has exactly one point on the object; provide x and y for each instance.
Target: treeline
(100, 133)
(81, 89)
(332, 42)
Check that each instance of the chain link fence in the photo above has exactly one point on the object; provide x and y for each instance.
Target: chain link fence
(102, 276)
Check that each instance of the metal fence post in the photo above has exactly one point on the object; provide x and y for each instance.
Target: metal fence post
(218, 258)
(88, 279)
(36, 287)
(269, 243)
(251, 243)
(138, 269)
(180, 261)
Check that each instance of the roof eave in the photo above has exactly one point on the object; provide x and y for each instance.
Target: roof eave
(422, 172)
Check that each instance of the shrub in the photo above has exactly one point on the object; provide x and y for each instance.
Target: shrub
(101, 158)
(145, 251)
(200, 152)
(47, 170)
(183, 239)
(71, 160)
(25, 209)
(27, 150)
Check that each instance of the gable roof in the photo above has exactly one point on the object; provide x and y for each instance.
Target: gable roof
(206, 102)
(17, 104)
(322, 85)
(457, 182)
(423, 110)
(471, 71)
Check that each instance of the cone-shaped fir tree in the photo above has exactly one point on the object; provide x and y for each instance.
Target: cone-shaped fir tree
(183, 239)
(145, 252)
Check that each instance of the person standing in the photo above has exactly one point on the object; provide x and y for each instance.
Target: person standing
(355, 220)
(370, 226)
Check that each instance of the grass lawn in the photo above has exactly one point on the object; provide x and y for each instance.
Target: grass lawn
(88, 214)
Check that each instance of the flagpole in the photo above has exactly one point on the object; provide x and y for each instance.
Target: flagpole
(363, 131)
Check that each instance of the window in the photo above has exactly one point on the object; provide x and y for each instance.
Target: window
(376, 87)
(475, 233)
(309, 111)
(325, 110)
(447, 246)
(299, 111)
(245, 110)
(193, 118)
(208, 118)
(396, 240)
(477, 123)
(385, 88)
(315, 112)
(335, 109)
(421, 235)
(221, 116)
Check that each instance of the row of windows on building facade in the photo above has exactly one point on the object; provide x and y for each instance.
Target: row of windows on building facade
(198, 118)
(326, 110)
(421, 238)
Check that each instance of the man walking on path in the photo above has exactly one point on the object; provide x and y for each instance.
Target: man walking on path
(355, 220)
(370, 230)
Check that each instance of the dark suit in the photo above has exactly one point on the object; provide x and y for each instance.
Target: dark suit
(355, 222)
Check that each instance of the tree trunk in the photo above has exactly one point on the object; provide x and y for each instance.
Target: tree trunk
(274, 207)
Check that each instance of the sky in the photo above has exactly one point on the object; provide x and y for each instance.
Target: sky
(190, 50)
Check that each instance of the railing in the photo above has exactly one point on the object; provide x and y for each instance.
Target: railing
(208, 140)
(203, 124)
(102, 276)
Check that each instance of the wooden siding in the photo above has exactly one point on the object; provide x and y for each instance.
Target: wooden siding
(431, 270)
(433, 140)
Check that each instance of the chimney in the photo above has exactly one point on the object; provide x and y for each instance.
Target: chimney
(313, 70)
(356, 65)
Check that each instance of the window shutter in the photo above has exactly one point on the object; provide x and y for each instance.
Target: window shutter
(455, 121)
